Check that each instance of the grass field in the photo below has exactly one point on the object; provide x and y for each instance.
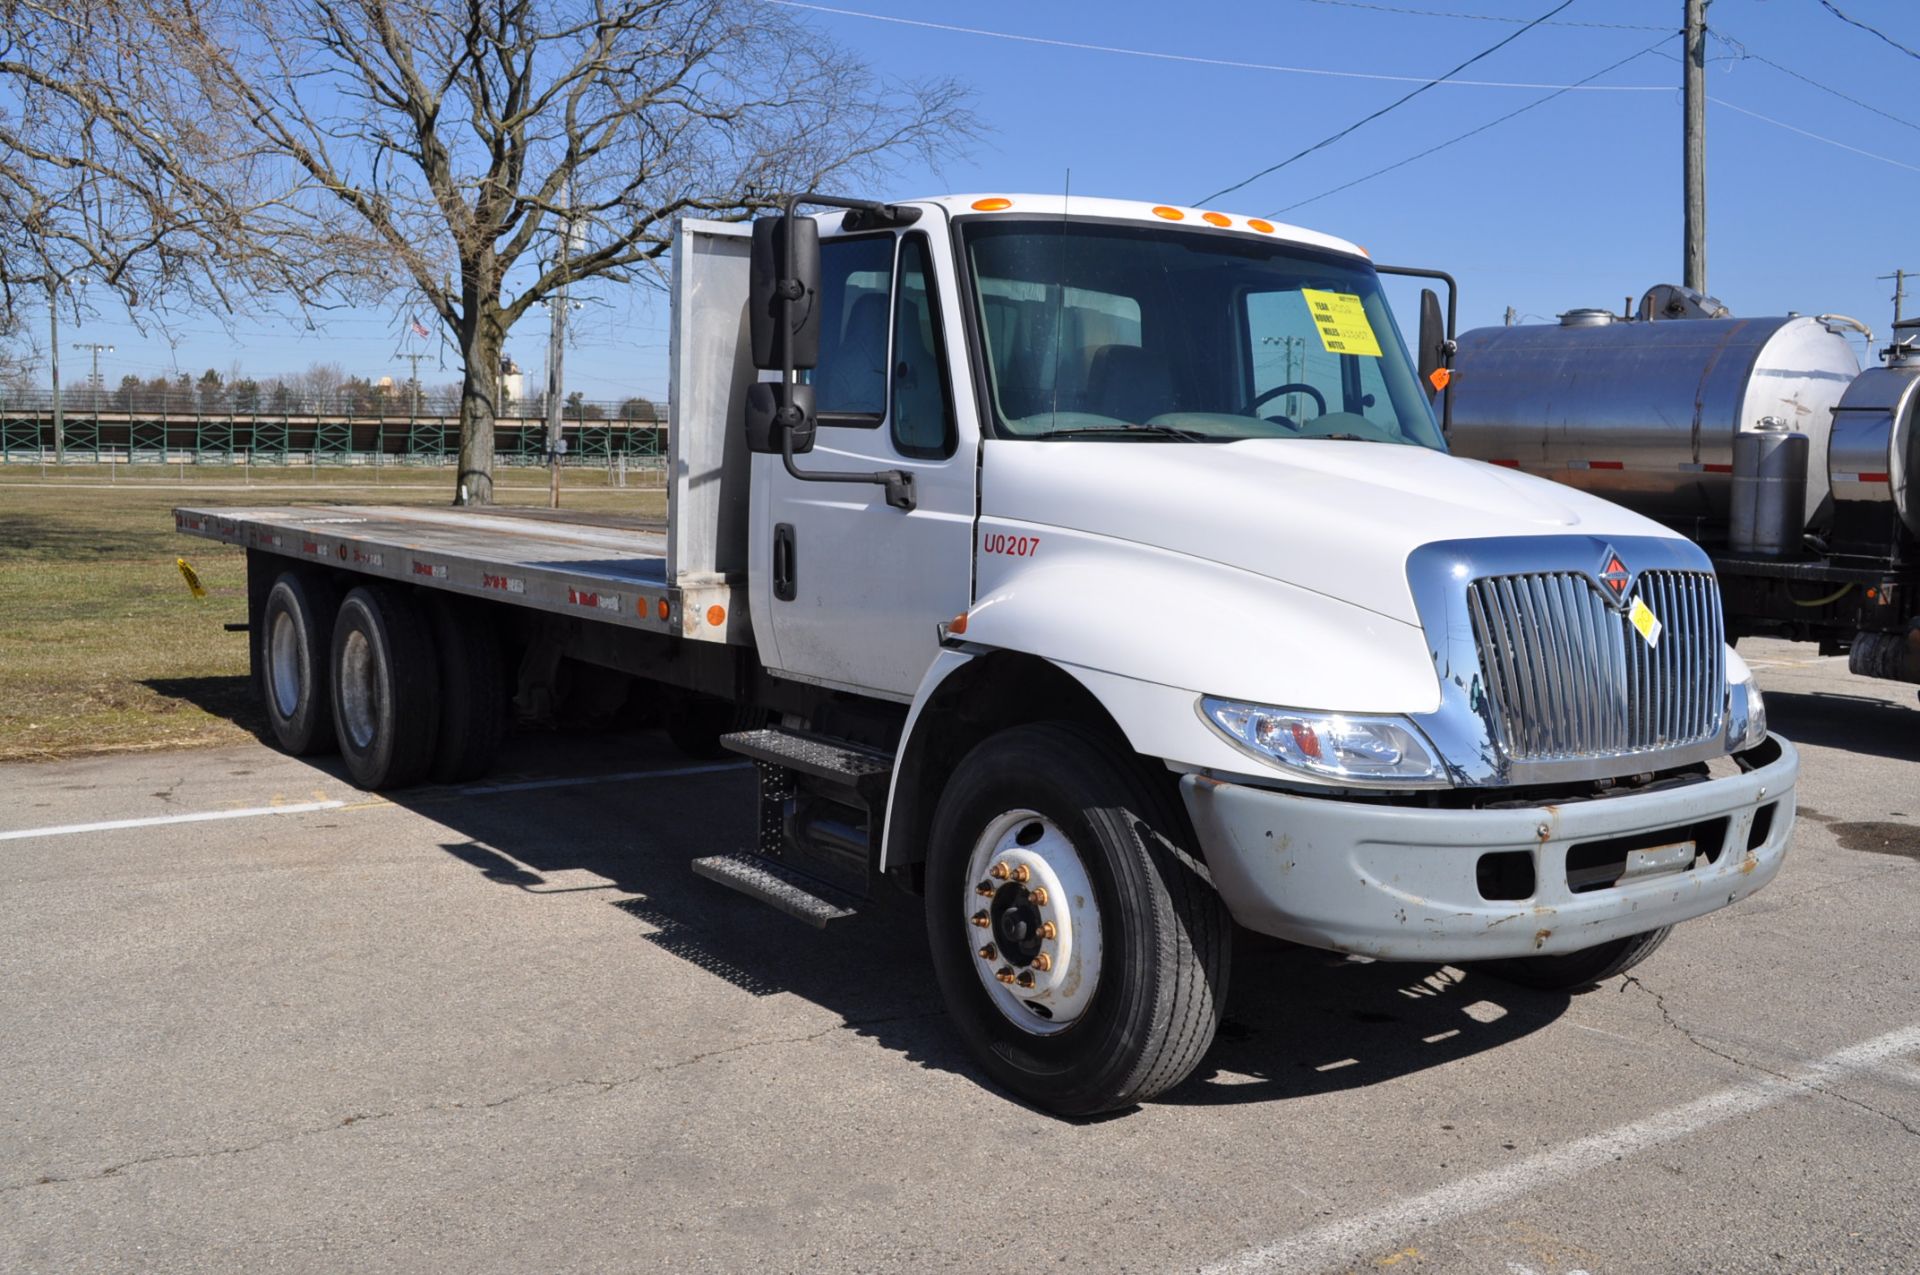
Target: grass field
(103, 649)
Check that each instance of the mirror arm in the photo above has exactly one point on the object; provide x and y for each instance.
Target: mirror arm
(898, 482)
(1448, 349)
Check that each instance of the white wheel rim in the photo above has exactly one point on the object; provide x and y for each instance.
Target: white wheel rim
(1032, 923)
(359, 689)
(283, 663)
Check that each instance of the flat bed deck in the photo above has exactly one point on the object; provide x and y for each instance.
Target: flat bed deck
(592, 566)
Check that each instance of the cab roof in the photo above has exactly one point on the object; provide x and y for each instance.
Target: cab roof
(1137, 210)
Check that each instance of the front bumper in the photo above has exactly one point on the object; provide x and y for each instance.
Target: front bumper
(1404, 883)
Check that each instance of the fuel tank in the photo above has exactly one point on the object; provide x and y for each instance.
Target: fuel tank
(1645, 411)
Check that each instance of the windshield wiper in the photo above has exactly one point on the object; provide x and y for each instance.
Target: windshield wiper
(1157, 431)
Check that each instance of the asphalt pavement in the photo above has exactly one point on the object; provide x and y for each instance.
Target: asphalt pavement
(251, 1018)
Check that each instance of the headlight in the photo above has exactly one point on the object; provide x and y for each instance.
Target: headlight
(1335, 746)
(1746, 712)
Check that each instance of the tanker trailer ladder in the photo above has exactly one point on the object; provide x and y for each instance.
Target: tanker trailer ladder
(822, 805)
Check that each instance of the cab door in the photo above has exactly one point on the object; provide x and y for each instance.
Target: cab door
(852, 589)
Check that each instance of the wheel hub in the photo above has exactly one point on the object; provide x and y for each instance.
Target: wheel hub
(1030, 898)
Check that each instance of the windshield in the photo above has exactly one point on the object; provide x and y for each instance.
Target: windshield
(1104, 331)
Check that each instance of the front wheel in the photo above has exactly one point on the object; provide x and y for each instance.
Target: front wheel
(1575, 971)
(1079, 945)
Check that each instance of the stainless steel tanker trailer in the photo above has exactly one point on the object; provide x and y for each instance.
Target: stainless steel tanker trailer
(1761, 439)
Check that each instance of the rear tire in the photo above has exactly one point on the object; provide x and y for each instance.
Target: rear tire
(1061, 804)
(385, 687)
(1577, 971)
(473, 690)
(293, 651)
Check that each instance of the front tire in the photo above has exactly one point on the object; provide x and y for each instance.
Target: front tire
(293, 653)
(1098, 976)
(1577, 971)
(385, 687)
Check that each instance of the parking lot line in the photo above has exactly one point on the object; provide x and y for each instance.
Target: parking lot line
(204, 816)
(1349, 1239)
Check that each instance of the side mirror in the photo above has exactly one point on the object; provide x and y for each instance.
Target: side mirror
(1433, 345)
(776, 411)
(770, 286)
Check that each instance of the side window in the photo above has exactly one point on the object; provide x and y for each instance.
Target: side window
(922, 395)
(851, 380)
(1284, 348)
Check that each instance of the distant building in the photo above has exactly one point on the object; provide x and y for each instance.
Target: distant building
(513, 381)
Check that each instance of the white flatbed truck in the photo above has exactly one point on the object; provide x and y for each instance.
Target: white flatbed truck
(1098, 571)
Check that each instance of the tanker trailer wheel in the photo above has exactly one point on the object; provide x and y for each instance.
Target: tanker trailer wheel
(1080, 949)
(1577, 971)
(473, 688)
(292, 653)
(385, 687)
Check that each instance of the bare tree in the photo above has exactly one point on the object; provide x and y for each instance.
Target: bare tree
(113, 177)
(495, 150)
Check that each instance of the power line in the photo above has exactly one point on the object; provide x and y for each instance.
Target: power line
(1743, 52)
(1485, 17)
(1768, 119)
(1402, 100)
(1197, 60)
(1834, 9)
(1473, 132)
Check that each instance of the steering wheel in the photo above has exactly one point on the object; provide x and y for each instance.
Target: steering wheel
(1291, 387)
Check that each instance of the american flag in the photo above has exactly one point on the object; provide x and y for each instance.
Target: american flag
(418, 330)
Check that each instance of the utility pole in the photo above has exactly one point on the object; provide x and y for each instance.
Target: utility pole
(1510, 316)
(556, 352)
(97, 349)
(1899, 278)
(1695, 158)
(53, 362)
(414, 381)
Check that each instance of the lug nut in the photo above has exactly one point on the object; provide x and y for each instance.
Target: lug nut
(999, 872)
(1047, 931)
(987, 953)
(1025, 980)
(1004, 974)
(984, 889)
(1043, 962)
(1021, 874)
(1039, 897)
(982, 920)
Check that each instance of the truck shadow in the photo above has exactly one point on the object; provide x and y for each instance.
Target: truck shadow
(1299, 1022)
(1855, 723)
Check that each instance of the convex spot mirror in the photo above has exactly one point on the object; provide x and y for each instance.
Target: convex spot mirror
(775, 410)
(765, 303)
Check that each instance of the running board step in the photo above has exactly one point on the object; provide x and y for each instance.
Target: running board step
(865, 771)
(778, 886)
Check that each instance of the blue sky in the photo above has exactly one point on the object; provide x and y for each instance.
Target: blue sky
(1576, 202)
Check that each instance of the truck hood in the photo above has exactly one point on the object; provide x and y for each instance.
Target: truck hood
(1334, 517)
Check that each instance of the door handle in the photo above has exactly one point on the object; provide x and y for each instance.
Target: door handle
(783, 575)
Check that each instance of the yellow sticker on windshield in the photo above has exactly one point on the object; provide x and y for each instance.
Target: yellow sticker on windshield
(1342, 323)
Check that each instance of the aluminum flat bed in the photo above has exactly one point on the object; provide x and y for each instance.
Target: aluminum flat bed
(600, 567)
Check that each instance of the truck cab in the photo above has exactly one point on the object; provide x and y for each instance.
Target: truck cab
(1099, 571)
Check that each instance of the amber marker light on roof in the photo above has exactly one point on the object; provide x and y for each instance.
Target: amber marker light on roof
(1171, 214)
(991, 205)
(1264, 227)
(1216, 219)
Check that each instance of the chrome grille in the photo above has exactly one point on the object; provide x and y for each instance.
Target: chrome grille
(1570, 677)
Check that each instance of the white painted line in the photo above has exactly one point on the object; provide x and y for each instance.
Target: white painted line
(205, 816)
(483, 790)
(1344, 1242)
